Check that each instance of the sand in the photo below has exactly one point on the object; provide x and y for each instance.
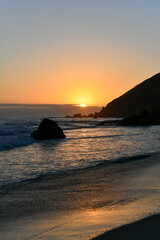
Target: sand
(145, 229)
(83, 204)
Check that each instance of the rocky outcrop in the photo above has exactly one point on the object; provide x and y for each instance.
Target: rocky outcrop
(79, 115)
(48, 129)
(146, 96)
(144, 119)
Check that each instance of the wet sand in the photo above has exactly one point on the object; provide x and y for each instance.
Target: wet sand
(81, 204)
(145, 229)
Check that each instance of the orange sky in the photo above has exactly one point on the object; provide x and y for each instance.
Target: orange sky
(74, 53)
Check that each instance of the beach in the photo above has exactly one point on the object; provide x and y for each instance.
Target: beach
(98, 178)
(83, 204)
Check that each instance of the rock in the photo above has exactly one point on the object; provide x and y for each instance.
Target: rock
(79, 115)
(144, 119)
(48, 129)
(145, 95)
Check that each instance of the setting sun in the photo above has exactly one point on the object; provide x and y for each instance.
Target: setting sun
(83, 105)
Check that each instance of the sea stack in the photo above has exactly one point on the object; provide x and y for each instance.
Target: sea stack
(48, 129)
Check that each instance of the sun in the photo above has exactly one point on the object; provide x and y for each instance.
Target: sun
(83, 105)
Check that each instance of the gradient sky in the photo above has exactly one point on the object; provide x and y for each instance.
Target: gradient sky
(76, 51)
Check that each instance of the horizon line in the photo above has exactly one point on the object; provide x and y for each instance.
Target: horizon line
(46, 104)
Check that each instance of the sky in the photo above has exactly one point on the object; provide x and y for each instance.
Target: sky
(74, 52)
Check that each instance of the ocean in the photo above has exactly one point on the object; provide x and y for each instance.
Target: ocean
(88, 146)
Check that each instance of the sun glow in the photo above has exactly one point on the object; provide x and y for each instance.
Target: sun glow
(83, 105)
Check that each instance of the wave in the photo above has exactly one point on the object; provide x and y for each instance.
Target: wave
(10, 133)
(8, 144)
(17, 141)
(125, 159)
(15, 133)
(62, 173)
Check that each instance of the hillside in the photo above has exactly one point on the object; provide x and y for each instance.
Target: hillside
(144, 96)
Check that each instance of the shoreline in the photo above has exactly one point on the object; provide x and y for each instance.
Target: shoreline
(146, 228)
(104, 164)
(81, 204)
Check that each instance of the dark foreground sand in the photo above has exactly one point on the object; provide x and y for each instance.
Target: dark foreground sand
(145, 229)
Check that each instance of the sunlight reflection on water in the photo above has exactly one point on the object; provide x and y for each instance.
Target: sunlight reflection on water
(82, 148)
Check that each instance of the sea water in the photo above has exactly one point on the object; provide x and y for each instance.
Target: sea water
(97, 178)
(87, 144)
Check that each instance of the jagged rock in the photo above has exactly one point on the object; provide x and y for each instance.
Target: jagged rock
(48, 129)
(144, 119)
(79, 115)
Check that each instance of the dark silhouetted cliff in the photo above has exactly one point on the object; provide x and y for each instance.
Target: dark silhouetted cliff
(145, 96)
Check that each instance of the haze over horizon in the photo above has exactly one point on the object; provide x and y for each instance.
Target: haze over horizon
(76, 52)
